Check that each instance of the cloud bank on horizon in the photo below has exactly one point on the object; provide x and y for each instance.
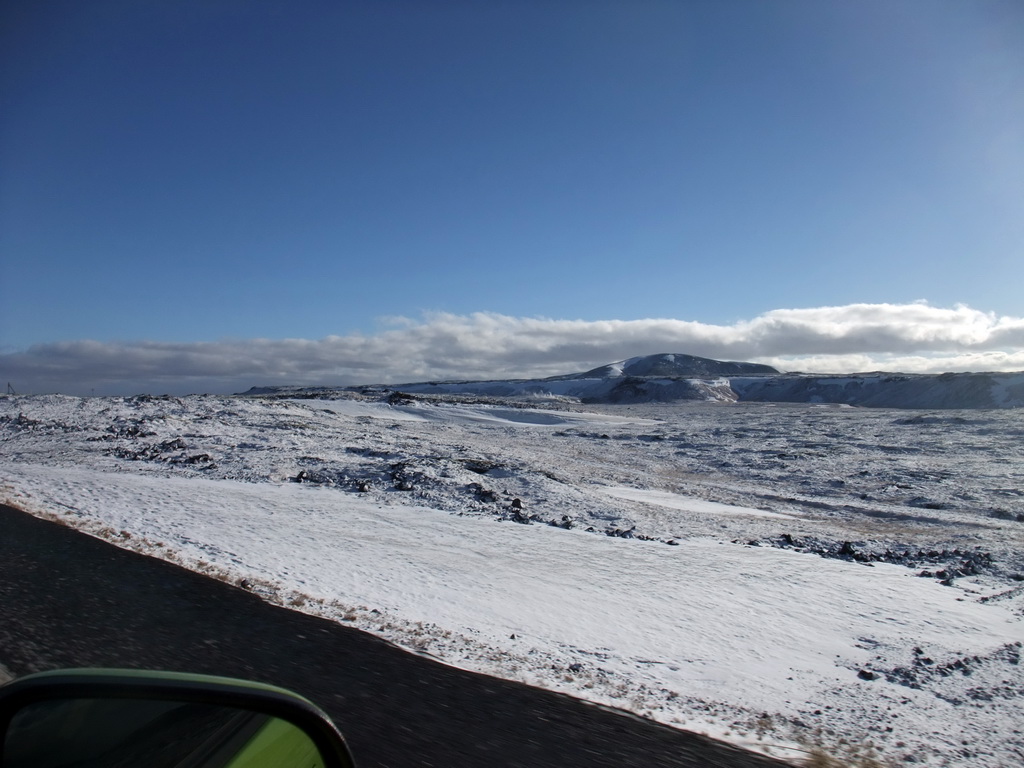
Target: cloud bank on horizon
(911, 338)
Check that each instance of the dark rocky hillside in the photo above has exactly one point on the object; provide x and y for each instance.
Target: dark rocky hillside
(677, 377)
(672, 366)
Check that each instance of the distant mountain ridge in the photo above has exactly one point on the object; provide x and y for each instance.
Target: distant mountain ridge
(677, 377)
(671, 366)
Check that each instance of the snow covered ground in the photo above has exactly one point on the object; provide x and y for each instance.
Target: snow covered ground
(769, 574)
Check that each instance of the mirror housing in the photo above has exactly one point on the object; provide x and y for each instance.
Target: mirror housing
(259, 714)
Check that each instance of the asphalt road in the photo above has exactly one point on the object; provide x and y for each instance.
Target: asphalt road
(67, 599)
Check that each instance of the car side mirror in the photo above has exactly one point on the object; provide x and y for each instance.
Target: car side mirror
(103, 718)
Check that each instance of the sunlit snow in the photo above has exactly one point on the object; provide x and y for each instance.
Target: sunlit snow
(662, 582)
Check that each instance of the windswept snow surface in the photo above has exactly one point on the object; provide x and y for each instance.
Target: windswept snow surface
(749, 571)
(688, 503)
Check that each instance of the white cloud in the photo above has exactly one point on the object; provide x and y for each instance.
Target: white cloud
(900, 337)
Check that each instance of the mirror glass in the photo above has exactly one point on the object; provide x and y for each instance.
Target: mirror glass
(131, 733)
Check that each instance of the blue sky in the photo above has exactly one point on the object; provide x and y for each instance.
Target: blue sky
(214, 172)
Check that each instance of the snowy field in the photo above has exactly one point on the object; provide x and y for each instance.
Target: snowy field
(776, 575)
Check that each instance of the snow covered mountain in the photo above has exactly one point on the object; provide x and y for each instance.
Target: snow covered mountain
(673, 366)
(678, 377)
